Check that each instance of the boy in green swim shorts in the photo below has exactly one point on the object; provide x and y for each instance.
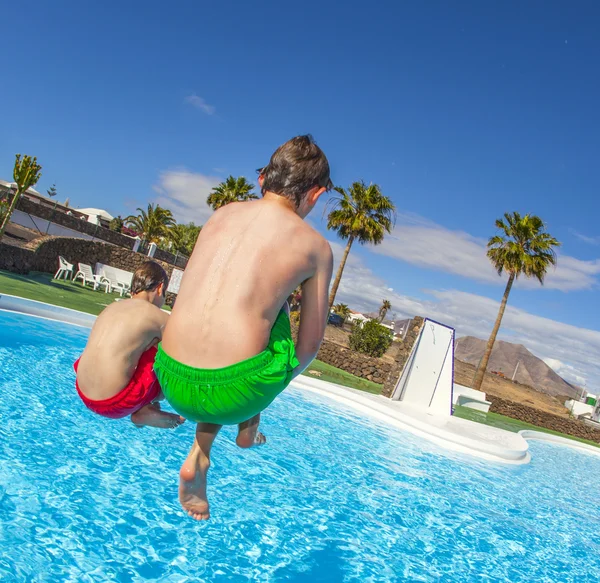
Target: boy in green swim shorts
(227, 349)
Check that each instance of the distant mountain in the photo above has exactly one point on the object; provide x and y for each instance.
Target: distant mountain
(532, 370)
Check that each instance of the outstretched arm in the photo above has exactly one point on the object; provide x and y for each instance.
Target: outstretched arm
(315, 309)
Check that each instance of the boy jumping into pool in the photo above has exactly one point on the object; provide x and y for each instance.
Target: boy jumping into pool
(227, 350)
(115, 376)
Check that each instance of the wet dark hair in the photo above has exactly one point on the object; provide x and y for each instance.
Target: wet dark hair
(295, 168)
(147, 277)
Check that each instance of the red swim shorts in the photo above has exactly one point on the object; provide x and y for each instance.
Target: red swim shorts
(143, 388)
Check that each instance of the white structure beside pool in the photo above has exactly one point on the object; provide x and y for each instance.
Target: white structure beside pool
(578, 408)
(466, 397)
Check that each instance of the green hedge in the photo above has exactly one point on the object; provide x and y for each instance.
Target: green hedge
(371, 338)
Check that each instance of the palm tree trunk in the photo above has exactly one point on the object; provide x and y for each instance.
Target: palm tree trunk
(338, 277)
(9, 213)
(478, 381)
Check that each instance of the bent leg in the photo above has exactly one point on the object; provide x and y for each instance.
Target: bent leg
(192, 476)
(152, 416)
(248, 433)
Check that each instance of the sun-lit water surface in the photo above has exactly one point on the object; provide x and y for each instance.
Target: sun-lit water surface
(331, 497)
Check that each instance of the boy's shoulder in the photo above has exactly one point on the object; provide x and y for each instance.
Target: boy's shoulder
(321, 244)
(122, 307)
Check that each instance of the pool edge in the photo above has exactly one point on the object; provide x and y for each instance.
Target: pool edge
(438, 435)
(362, 402)
(10, 303)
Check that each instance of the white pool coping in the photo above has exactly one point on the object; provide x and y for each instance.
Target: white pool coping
(451, 433)
(10, 303)
(557, 439)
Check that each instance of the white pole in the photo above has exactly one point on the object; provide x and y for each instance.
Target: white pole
(516, 368)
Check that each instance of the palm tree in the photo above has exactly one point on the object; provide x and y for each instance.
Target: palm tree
(183, 237)
(522, 248)
(116, 224)
(152, 224)
(341, 310)
(362, 213)
(385, 306)
(231, 190)
(26, 174)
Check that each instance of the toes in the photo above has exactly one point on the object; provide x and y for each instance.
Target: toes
(199, 515)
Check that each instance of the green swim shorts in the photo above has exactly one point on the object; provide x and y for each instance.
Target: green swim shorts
(233, 394)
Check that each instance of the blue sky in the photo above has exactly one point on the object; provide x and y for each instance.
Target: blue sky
(459, 111)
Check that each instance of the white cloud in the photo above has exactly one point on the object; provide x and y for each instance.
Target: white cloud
(421, 242)
(199, 103)
(585, 238)
(471, 314)
(427, 244)
(571, 274)
(185, 194)
(566, 371)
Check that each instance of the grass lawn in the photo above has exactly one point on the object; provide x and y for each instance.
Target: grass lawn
(341, 377)
(41, 287)
(509, 424)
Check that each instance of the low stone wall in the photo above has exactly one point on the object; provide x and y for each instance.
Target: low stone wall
(542, 419)
(360, 365)
(60, 218)
(177, 260)
(15, 259)
(42, 255)
(91, 252)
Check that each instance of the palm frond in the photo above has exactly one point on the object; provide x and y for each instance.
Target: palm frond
(361, 212)
(523, 247)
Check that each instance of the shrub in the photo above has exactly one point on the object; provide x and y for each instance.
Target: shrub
(116, 224)
(370, 338)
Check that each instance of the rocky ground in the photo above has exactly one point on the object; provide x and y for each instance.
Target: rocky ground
(495, 386)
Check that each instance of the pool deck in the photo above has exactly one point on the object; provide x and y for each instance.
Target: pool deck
(451, 433)
(42, 310)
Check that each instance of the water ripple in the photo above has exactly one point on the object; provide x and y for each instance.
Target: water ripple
(332, 497)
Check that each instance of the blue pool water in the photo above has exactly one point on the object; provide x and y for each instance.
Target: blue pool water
(332, 497)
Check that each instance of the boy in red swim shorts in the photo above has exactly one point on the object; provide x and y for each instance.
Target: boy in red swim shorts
(115, 376)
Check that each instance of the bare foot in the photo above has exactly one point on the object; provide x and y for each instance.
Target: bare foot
(152, 416)
(260, 439)
(249, 435)
(192, 486)
(246, 439)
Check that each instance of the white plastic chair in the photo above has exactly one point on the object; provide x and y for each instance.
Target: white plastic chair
(65, 269)
(87, 276)
(109, 276)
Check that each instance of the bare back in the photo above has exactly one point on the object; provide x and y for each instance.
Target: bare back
(248, 258)
(120, 335)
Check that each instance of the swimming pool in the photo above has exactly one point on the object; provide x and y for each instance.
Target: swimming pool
(332, 497)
